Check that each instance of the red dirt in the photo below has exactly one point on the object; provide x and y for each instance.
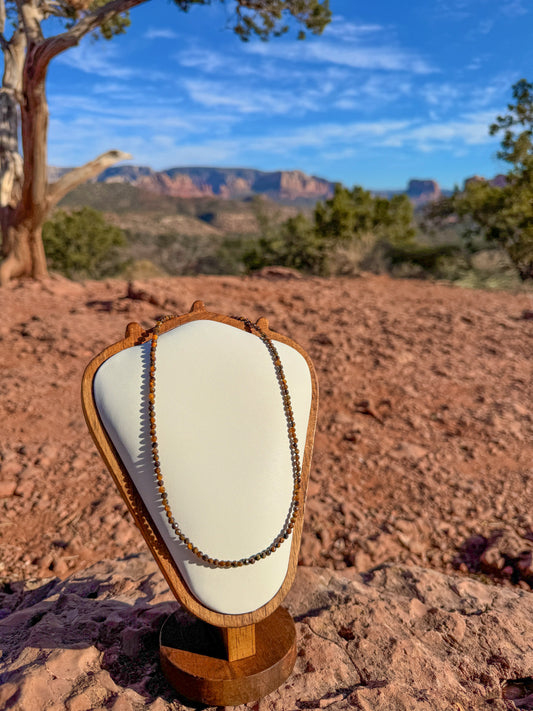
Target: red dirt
(424, 447)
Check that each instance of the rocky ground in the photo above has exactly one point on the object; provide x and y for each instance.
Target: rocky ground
(424, 448)
(399, 639)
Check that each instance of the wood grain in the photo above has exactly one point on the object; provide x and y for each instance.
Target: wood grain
(135, 335)
(239, 642)
(213, 680)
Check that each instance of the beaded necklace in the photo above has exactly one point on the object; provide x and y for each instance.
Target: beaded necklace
(293, 446)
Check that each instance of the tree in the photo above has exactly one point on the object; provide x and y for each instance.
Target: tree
(342, 221)
(26, 197)
(350, 214)
(82, 244)
(502, 215)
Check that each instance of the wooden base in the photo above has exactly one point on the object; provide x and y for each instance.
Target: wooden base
(194, 660)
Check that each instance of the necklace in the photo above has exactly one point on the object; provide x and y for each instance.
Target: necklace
(293, 446)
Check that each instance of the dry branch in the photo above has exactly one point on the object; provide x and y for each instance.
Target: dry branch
(80, 175)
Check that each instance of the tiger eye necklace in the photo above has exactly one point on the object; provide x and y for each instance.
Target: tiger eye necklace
(293, 446)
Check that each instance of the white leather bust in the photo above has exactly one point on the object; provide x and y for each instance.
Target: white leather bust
(223, 446)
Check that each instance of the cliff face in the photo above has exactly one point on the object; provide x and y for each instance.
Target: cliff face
(499, 181)
(423, 191)
(221, 182)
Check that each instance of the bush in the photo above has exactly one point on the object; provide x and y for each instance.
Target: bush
(81, 244)
(293, 244)
(343, 232)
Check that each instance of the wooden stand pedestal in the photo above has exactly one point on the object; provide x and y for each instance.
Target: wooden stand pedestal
(195, 659)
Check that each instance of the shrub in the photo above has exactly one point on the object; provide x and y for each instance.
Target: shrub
(82, 244)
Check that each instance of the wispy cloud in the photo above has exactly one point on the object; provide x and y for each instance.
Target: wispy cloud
(381, 57)
(369, 93)
(448, 97)
(468, 130)
(205, 60)
(339, 27)
(246, 100)
(514, 8)
(463, 9)
(160, 33)
(103, 61)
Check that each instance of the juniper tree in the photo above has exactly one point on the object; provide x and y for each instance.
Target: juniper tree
(26, 196)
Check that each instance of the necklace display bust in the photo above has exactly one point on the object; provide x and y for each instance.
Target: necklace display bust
(224, 454)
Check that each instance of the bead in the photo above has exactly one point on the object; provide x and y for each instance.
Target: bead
(293, 446)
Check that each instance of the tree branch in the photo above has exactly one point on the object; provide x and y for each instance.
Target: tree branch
(52, 46)
(31, 20)
(80, 175)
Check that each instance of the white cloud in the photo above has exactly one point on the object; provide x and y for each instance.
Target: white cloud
(102, 60)
(339, 27)
(346, 140)
(442, 95)
(203, 59)
(160, 33)
(364, 57)
(246, 100)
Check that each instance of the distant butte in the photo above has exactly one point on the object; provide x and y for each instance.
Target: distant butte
(288, 186)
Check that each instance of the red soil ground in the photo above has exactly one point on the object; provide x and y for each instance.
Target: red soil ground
(424, 448)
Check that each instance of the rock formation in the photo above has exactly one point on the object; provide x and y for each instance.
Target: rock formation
(423, 191)
(238, 183)
(392, 639)
(499, 181)
(222, 182)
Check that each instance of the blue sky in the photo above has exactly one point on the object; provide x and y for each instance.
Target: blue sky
(390, 91)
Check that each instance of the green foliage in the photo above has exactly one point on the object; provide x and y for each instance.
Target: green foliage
(112, 25)
(293, 244)
(266, 18)
(501, 215)
(427, 256)
(82, 244)
(517, 147)
(349, 214)
(329, 242)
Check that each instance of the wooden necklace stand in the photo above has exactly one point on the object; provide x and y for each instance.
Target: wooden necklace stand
(218, 659)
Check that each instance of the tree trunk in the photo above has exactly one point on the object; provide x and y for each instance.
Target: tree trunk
(17, 261)
(14, 250)
(25, 196)
(32, 208)
(10, 159)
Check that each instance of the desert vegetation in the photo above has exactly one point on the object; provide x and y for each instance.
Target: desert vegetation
(26, 196)
(480, 236)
